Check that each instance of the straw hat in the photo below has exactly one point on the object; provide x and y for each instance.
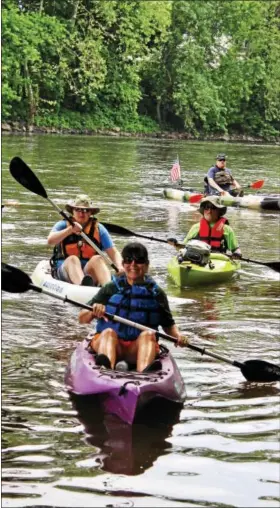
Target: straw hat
(82, 201)
(214, 200)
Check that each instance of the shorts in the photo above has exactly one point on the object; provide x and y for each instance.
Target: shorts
(123, 342)
(62, 275)
(126, 344)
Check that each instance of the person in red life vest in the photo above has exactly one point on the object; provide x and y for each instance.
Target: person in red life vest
(135, 296)
(74, 260)
(214, 229)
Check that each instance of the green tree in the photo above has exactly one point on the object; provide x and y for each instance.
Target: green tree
(32, 58)
(218, 69)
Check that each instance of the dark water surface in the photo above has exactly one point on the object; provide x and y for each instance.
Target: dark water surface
(222, 450)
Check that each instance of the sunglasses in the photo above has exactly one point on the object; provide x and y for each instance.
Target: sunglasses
(140, 260)
(78, 209)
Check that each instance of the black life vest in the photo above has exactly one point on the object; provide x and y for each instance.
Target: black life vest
(223, 178)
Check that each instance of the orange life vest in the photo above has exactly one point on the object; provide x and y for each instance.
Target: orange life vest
(76, 245)
(213, 236)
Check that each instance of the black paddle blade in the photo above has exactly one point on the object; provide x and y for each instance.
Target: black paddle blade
(260, 371)
(274, 266)
(14, 280)
(25, 176)
(114, 228)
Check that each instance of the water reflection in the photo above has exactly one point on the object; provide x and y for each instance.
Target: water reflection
(223, 452)
(125, 449)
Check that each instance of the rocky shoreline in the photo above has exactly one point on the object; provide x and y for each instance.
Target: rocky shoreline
(22, 128)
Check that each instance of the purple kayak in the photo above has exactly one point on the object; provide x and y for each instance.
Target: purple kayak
(121, 393)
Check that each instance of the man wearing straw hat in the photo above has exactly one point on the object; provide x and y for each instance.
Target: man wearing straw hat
(74, 260)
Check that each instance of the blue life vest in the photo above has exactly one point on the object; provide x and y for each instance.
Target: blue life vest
(137, 303)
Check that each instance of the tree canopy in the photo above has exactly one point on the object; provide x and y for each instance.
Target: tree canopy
(203, 67)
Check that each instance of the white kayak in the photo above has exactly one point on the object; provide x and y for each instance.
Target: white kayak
(251, 201)
(42, 277)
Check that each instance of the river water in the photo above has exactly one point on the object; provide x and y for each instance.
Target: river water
(222, 450)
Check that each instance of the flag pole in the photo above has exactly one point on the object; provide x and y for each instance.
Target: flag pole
(180, 182)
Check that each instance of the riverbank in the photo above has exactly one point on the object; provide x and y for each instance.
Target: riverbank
(22, 128)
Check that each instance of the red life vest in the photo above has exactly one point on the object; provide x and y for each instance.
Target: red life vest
(213, 236)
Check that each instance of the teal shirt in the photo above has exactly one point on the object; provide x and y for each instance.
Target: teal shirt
(229, 235)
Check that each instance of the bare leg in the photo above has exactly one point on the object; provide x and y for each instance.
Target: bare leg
(74, 269)
(146, 349)
(98, 270)
(107, 343)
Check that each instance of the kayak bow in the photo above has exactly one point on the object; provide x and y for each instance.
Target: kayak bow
(124, 394)
(187, 273)
(42, 277)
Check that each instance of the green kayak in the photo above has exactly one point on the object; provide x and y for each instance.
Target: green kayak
(251, 201)
(221, 268)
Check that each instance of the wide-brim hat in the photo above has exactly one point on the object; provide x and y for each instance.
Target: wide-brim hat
(214, 200)
(82, 201)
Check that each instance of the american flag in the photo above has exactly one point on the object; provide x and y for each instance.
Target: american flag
(175, 173)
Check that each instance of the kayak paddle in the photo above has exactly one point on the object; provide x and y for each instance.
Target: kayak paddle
(272, 265)
(195, 198)
(114, 228)
(256, 185)
(120, 230)
(25, 176)
(15, 280)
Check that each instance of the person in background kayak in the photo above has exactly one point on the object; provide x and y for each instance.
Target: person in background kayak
(135, 296)
(219, 179)
(214, 229)
(75, 261)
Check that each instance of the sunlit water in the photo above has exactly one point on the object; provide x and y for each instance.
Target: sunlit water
(222, 450)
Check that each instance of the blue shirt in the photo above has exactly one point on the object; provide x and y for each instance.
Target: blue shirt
(105, 239)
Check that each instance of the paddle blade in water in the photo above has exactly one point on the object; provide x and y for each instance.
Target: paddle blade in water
(25, 176)
(14, 280)
(274, 266)
(260, 371)
(196, 198)
(257, 185)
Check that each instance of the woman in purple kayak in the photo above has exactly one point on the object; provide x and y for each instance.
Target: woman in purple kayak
(133, 295)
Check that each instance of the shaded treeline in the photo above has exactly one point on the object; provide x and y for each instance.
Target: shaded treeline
(199, 66)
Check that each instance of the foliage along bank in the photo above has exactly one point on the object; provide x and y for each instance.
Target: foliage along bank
(203, 68)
